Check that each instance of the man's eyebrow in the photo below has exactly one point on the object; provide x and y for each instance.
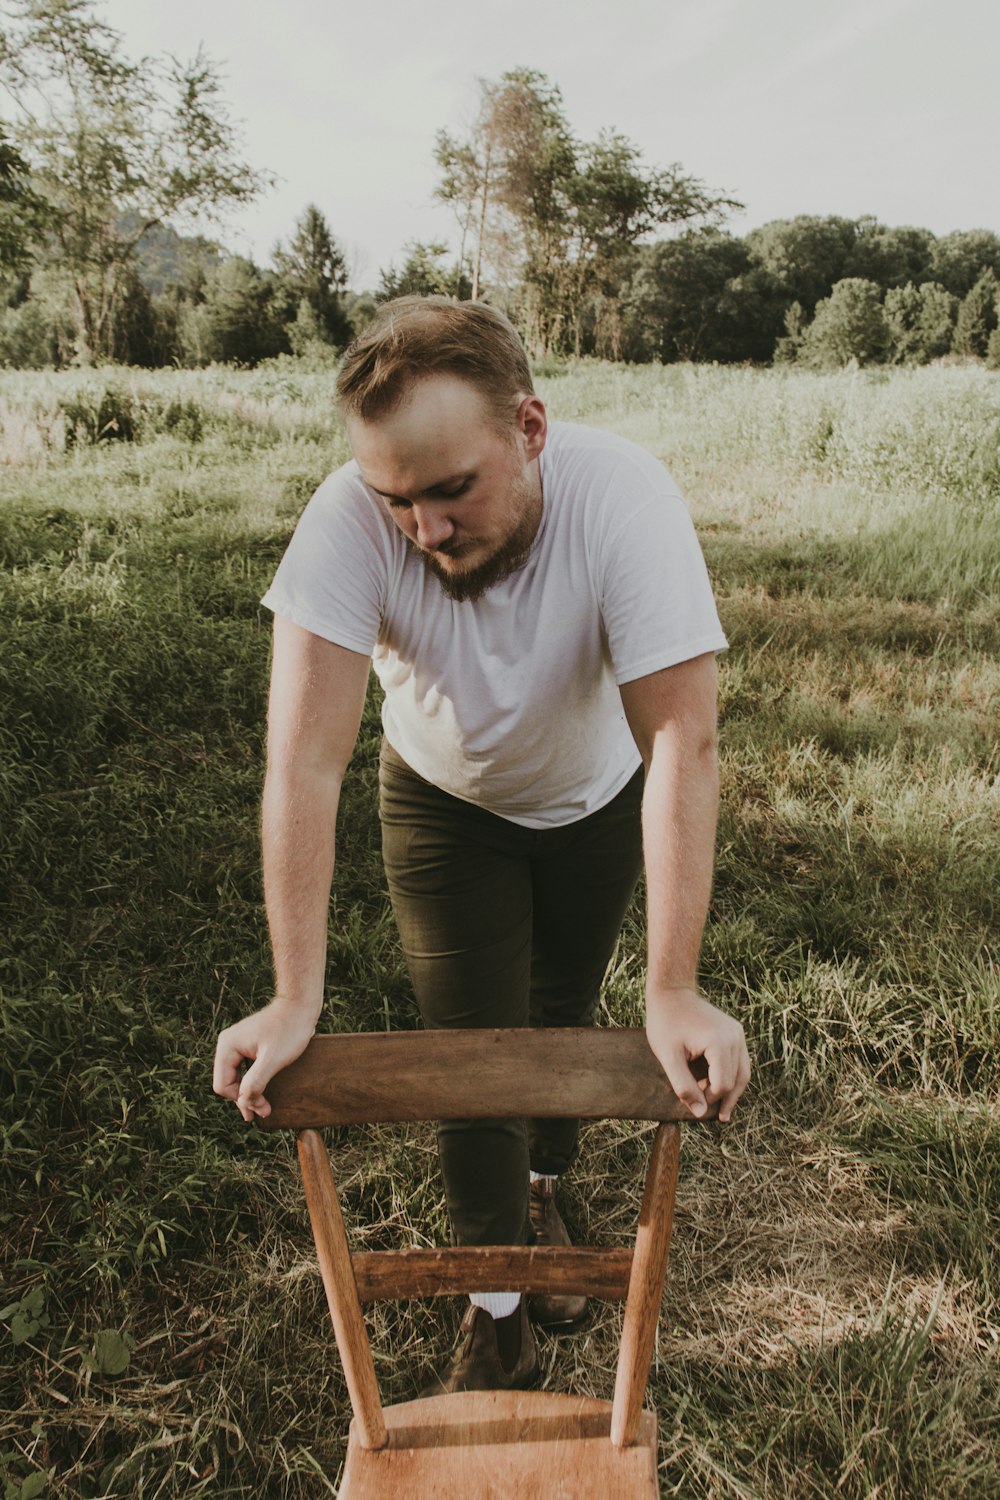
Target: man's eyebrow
(439, 484)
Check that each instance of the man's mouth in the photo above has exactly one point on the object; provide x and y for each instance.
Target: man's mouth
(450, 549)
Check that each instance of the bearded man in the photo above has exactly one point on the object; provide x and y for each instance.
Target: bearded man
(537, 610)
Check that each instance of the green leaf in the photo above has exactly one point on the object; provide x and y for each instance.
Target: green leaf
(111, 1352)
(22, 1327)
(35, 1484)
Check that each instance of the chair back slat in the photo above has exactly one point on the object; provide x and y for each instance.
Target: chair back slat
(453, 1271)
(594, 1073)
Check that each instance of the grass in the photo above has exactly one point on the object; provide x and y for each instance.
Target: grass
(832, 1322)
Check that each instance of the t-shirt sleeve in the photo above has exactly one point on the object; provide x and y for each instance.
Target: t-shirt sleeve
(656, 598)
(332, 579)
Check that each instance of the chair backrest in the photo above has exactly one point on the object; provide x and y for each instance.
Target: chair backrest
(593, 1073)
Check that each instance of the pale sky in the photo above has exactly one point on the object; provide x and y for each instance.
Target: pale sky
(882, 107)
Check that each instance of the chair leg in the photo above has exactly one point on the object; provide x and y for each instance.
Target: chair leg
(341, 1290)
(645, 1288)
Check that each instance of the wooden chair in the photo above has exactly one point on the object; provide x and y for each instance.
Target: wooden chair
(512, 1444)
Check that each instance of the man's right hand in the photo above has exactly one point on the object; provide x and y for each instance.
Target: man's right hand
(268, 1040)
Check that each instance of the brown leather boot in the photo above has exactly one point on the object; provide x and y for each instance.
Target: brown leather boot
(551, 1311)
(477, 1365)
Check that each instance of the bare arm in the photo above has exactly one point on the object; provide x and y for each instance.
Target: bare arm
(672, 716)
(316, 701)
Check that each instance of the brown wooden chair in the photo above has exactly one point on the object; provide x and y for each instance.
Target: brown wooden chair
(522, 1444)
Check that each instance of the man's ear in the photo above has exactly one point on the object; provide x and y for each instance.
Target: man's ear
(532, 423)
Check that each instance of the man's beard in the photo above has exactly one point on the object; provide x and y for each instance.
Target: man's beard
(472, 583)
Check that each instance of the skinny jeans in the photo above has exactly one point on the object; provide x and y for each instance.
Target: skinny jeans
(503, 925)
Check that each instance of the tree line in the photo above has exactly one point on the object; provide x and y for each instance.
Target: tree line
(105, 162)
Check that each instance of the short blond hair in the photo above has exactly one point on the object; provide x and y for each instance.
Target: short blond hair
(415, 336)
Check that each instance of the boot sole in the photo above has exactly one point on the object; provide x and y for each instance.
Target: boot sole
(564, 1325)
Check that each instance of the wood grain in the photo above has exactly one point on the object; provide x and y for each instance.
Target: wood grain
(341, 1292)
(592, 1072)
(645, 1293)
(502, 1445)
(580, 1270)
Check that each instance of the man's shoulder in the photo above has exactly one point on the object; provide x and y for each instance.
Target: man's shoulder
(342, 486)
(595, 457)
(343, 500)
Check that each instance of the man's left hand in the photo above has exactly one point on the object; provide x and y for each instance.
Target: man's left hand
(682, 1025)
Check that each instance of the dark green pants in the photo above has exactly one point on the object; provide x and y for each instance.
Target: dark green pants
(503, 926)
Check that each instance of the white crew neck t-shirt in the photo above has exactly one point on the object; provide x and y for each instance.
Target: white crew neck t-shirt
(511, 701)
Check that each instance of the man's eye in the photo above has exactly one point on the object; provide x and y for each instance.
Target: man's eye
(455, 491)
(397, 504)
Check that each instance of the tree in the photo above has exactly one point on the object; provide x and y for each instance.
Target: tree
(891, 257)
(789, 346)
(507, 181)
(960, 258)
(113, 143)
(849, 325)
(977, 316)
(803, 258)
(554, 222)
(615, 204)
(684, 302)
(423, 274)
(22, 213)
(238, 319)
(921, 322)
(26, 337)
(313, 271)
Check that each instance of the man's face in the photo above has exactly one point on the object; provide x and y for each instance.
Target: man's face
(467, 498)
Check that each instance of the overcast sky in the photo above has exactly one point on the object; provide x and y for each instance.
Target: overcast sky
(883, 107)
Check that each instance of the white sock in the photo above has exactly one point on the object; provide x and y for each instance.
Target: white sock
(497, 1304)
(502, 1304)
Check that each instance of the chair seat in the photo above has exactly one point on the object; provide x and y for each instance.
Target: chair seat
(477, 1445)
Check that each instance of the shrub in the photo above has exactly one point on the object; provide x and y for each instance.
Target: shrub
(109, 414)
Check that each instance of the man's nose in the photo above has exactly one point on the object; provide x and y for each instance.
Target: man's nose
(433, 526)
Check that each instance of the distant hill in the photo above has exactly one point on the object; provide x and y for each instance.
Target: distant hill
(166, 258)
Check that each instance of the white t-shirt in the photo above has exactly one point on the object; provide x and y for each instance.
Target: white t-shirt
(511, 701)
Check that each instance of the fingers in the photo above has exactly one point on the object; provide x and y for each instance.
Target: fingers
(729, 1097)
(728, 1076)
(728, 1065)
(267, 1041)
(684, 1084)
(247, 1093)
(250, 1099)
(226, 1068)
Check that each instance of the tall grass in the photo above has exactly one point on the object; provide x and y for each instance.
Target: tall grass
(831, 1326)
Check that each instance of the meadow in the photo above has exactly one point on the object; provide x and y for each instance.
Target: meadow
(831, 1326)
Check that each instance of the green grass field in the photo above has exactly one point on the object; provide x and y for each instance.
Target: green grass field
(832, 1320)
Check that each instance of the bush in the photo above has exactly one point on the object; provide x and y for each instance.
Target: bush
(111, 414)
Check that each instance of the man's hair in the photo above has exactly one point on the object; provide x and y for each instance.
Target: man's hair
(415, 336)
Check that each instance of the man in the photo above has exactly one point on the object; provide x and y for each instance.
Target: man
(538, 613)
